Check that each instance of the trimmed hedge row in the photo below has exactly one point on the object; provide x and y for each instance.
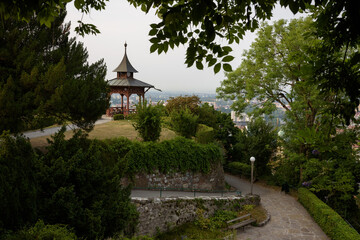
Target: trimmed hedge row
(329, 220)
(179, 154)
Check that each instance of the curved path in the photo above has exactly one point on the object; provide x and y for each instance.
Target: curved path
(53, 130)
(289, 219)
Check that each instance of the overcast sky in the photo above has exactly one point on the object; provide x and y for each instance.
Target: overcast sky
(121, 22)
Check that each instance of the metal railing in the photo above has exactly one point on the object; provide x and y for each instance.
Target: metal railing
(188, 191)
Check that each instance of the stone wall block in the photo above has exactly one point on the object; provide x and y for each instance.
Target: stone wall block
(165, 213)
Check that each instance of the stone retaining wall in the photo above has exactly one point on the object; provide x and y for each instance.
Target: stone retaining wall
(162, 214)
(214, 180)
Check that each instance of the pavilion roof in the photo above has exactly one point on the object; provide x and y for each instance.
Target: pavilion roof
(128, 82)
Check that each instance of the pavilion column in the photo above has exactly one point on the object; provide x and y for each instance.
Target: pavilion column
(122, 103)
(127, 103)
(139, 95)
(143, 95)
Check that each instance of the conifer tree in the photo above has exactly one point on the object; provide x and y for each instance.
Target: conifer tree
(44, 74)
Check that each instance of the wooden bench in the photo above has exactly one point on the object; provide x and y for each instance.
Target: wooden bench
(241, 221)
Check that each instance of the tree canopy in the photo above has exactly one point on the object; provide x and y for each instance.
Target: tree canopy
(44, 74)
(199, 23)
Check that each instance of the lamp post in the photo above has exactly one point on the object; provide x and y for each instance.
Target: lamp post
(252, 160)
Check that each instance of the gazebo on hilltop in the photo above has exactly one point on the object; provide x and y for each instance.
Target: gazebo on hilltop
(125, 84)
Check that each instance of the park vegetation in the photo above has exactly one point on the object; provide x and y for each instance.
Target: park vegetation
(315, 147)
(309, 66)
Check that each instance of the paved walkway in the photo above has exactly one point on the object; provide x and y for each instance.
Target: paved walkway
(53, 130)
(289, 219)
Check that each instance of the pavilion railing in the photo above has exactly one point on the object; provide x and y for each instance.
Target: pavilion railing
(120, 110)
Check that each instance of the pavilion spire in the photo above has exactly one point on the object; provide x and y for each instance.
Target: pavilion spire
(125, 65)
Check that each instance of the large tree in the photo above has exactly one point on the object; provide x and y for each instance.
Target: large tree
(276, 69)
(45, 74)
(316, 149)
(280, 68)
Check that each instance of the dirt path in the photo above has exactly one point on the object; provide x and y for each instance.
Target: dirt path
(289, 219)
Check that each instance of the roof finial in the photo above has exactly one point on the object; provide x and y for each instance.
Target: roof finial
(125, 46)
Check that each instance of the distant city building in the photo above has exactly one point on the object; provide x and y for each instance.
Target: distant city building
(240, 120)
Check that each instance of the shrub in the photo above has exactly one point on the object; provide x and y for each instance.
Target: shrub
(330, 221)
(130, 116)
(79, 186)
(43, 232)
(179, 154)
(239, 168)
(184, 122)
(18, 188)
(148, 122)
(217, 221)
(118, 117)
(204, 134)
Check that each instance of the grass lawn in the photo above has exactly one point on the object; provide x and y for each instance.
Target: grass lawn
(113, 129)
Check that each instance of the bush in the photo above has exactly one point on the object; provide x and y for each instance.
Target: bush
(205, 134)
(179, 154)
(148, 122)
(18, 187)
(217, 221)
(43, 232)
(118, 117)
(330, 221)
(184, 122)
(239, 168)
(80, 186)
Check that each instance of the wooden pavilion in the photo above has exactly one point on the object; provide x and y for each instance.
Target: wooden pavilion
(125, 84)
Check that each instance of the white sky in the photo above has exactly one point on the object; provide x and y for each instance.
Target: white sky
(120, 22)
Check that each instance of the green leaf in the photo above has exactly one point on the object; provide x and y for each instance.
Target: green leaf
(227, 67)
(212, 62)
(154, 40)
(153, 32)
(228, 59)
(153, 48)
(199, 65)
(160, 49)
(227, 49)
(217, 68)
(166, 47)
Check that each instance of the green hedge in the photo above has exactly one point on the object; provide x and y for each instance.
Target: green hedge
(179, 154)
(239, 168)
(330, 221)
(118, 117)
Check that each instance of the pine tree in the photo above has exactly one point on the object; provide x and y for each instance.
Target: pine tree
(44, 75)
